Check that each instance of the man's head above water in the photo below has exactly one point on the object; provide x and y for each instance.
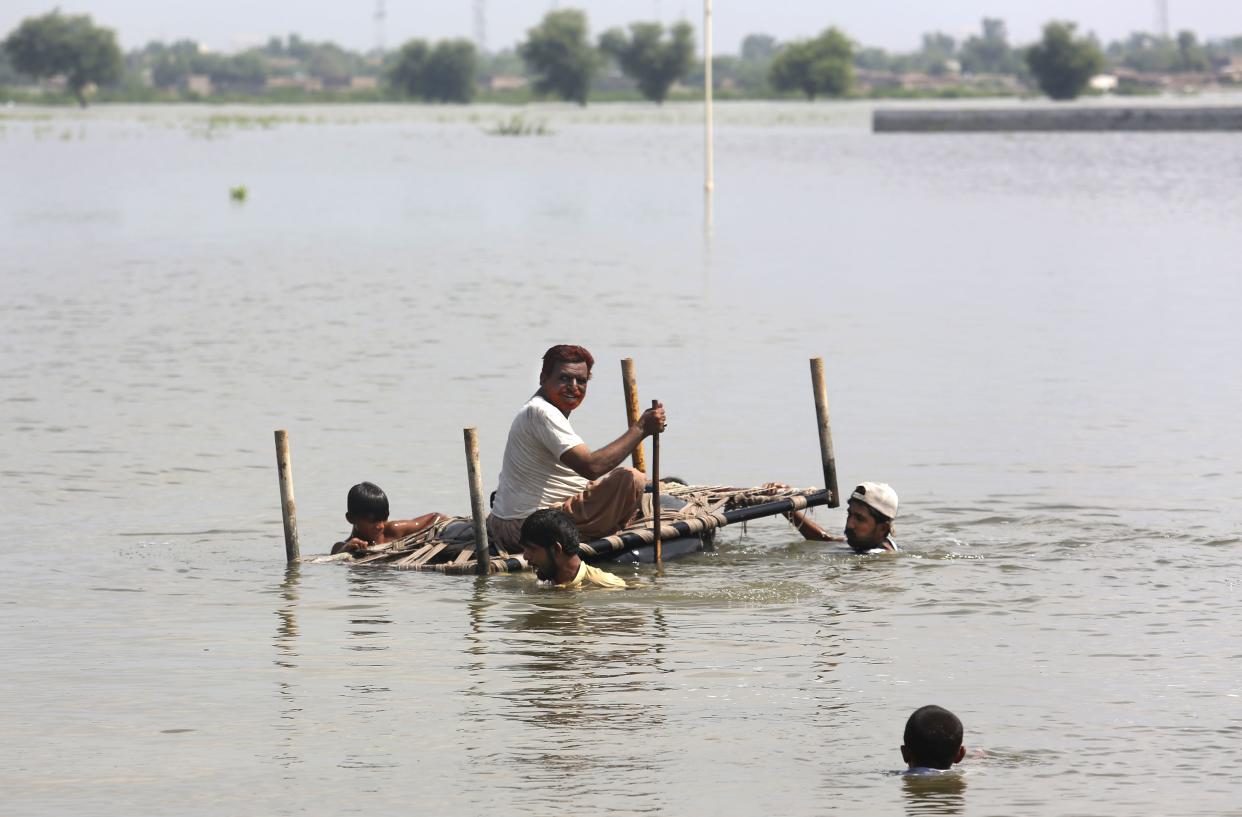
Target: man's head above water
(869, 522)
(933, 739)
(550, 545)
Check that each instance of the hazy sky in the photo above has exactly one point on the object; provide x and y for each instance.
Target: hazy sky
(893, 24)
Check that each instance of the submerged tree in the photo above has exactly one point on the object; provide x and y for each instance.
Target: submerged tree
(409, 68)
(557, 52)
(823, 65)
(8, 74)
(759, 47)
(989, 53)
(246, 71)
(1062, 63)
(451, 69)
(1190, 55)
(647, 58)
(443, 73)
(171, 64)
(73, 46)
(938, 52)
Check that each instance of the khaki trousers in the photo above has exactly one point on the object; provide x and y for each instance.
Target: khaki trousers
(604, 507)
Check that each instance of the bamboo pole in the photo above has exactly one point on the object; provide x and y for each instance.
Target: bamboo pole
(826, 454)
(655, 491)
(709, 181)
(630, 385)
(288, 507)
(477, 509)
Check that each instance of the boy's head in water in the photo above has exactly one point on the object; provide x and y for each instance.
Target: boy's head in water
(933, 739)
(367, 511)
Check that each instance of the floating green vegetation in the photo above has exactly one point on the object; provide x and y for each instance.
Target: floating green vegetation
(518, 125)
(265, 121)
(238, 193)
(23, 115)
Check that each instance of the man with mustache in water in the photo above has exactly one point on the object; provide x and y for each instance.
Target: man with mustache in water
(547, 465)
(868, 525)
(550, 545)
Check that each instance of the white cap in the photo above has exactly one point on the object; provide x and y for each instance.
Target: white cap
(879, 496)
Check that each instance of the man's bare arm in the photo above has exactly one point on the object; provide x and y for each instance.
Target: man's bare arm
(810, 530)
(401, 528)
(594, 464)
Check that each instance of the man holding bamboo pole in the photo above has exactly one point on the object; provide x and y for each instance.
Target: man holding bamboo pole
(547, 465)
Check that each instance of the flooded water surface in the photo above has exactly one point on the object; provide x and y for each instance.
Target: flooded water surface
(1033, 338)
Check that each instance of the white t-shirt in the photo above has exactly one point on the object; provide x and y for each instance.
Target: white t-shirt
(532, 475)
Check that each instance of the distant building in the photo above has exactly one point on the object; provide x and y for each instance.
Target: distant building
(1104, 83)
(1129, 78)
(363, 83)
(868, 80)
(198, 84)
(507, 82)
(301, 83)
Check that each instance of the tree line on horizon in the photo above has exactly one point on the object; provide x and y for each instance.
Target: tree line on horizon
(561, 60)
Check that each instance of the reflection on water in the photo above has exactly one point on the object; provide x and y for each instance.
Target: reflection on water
(830, 652)
(578, 671)
(928, 794)
(576, 663)
(287, 623)
(287, 694)
(370, 637)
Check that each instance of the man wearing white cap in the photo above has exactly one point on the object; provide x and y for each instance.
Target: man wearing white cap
(868, 524)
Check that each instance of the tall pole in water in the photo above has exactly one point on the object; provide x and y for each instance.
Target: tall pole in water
(709, 181)
(630, 385)
(288, 506)
(827, 456)
(478, 511)
(658, 551)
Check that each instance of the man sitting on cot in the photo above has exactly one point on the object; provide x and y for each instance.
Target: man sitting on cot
(868, 525)
(367, 511)
(550, 545)
(547, 465)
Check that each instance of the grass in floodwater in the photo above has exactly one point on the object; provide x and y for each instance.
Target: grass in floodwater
(218, 123)
(266, 122)
(518, 125)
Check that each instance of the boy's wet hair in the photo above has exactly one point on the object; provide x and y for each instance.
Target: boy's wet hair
(933, 736)
(564, 354)
(368, 502)
(547, 526)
